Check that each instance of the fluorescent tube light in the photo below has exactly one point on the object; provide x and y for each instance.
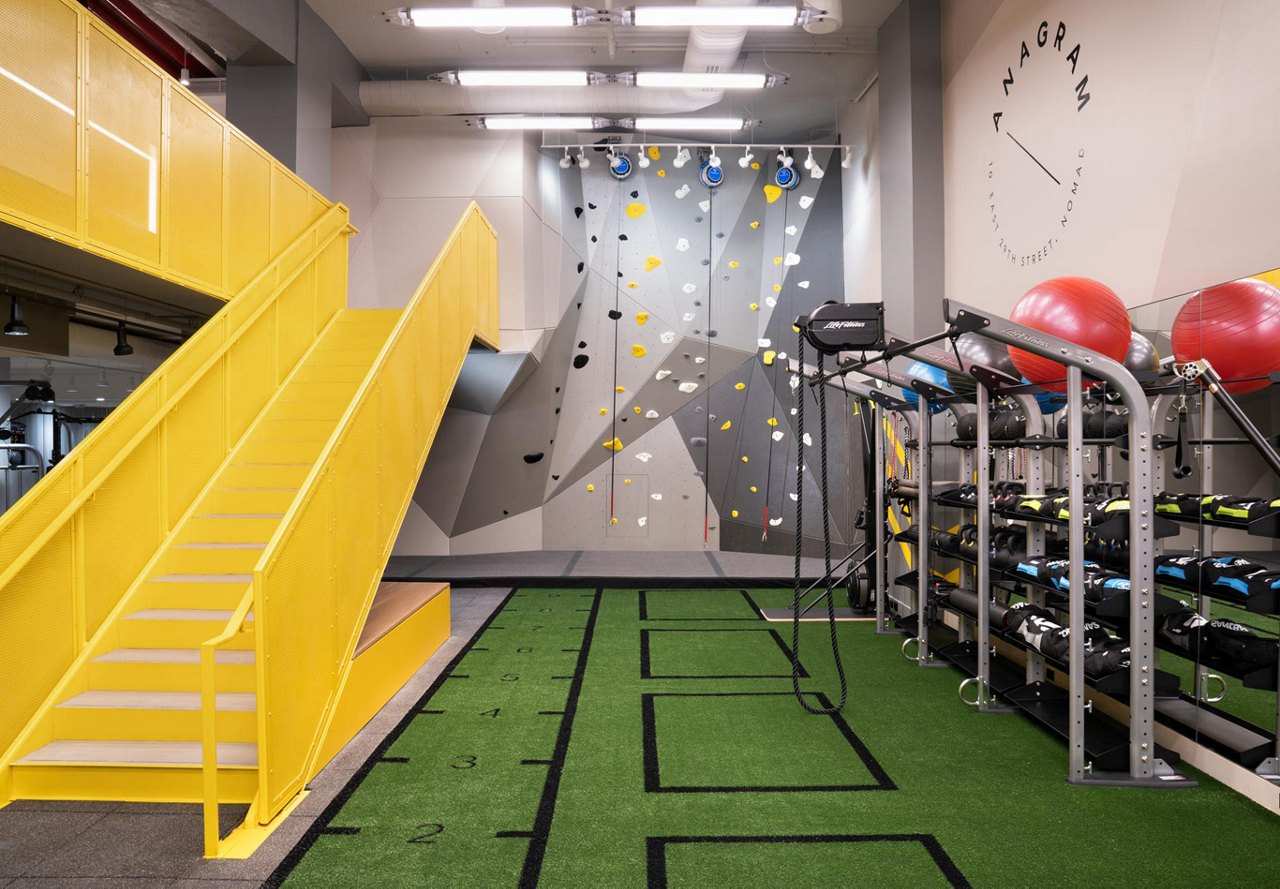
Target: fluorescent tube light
(689, 123)
(520, 122)
(493, 17)
(715, 16)
(522, 78)
(694, 80)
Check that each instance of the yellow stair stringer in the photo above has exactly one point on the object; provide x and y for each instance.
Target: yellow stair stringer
(319, 551)
(72, 681)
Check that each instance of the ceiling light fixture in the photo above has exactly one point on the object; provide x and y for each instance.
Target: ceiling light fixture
(715, 16)
(184, 77)
(492, 17)
(521, 122)
(122, 341)
(583, 161)
(689, 123)
(746, 159)
(46, 393)
(644, 158)
(785, 159)
(566, 162)
(701, 80)
(522, 78)
(713, 159)
(16, 326)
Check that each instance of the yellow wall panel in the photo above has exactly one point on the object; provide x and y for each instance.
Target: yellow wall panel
(290, 209)
(195, 190)
(249, 238)
(297, 319)
(196, 440)
(38, 80)
(252, 379)
(123, 149)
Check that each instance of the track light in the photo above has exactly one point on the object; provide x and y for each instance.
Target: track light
(122, 341)
(714, 159)
(785, 159)
(846, 162)
(644, 158)
(102, 378)
(47, 394)
(815, 169)
(583, 160)
(808, 160)
(746, 159)
(16, 326)
(184, 77)
(32, 392)
(566, 162)
(681, 158)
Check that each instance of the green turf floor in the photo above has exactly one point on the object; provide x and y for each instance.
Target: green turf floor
(628, 739)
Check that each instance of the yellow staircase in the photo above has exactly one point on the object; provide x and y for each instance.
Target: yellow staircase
(129, 726)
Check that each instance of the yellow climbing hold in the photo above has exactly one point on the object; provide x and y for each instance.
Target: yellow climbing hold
(633, 284)
(590, 488)
(753, 489)
(777, 288)
(636, 210)
(772, 421)
(755, 165)
(739, 386)
(626, 481)
(639, 351)
(603, 411)
(619, 388)
(772, 193)
(777, 260)
(795, 329)
(755, 223)
(642, 317)
(726, 425)
(662, 174)
(615, 445)
(755, 307)
(733, 263)
(652, 263)
(768, 358)
(744, 458)
(636, 409)
(654, 153)
(613, 520)
(734, 514)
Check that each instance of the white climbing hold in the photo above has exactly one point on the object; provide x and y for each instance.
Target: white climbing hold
(682, 190)
(792, 496)
(690, 288)
(790, 229)
(662, 375)
(770, 301)
(793, 412)
(805, 202)
(773, 523)
(807, 439)
(701, 359)
(777, 435)
(803, 285)
(667, 336)
(792, 259)
(782, 356)
(704, 206)
(644, 456)
(682, 244)
(651, 415)
(688, 386)
(642, 521)
(794, 382)
(764, 342)
(689, 316)
(655, 496)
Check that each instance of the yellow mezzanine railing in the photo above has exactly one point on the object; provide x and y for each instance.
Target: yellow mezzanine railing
(315, 581)
(90, 530)
(102, 150)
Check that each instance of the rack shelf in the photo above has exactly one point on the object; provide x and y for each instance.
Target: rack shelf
(1115, 528)
(1266, 526)
(1267, 602)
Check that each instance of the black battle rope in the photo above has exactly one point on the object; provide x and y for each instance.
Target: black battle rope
(826, 540)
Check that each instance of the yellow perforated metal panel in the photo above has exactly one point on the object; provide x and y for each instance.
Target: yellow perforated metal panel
(297, 319)
(249, 217)
(122, 149)
(291, 202)
(194, 222)
(38, 87)
(195, 434)
(251, 378)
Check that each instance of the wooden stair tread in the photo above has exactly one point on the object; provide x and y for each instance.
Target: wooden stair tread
(258, 546)
(242, 515)
(203, 578)
(173, 656)
(180, 753)
(159, 700)
(209, 614)
(392, 604)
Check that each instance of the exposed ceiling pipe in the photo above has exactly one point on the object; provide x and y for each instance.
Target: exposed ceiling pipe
(135, 27)
(708, 49)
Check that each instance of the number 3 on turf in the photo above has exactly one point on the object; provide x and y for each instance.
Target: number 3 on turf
(463, 762)
(426, 833)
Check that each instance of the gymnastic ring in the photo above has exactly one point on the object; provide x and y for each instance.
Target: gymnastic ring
(912, 657)
(1212, 699)
(960, 691)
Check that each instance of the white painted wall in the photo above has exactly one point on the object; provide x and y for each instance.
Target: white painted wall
(859, 129)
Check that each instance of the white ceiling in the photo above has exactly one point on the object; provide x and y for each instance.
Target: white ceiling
(824, 71)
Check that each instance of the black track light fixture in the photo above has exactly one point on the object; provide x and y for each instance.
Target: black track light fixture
(16, 326)
(46, 393)
(122, 341)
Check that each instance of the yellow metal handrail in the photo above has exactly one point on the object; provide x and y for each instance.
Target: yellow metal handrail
(146, 464)
(209, 719)
(314, 583)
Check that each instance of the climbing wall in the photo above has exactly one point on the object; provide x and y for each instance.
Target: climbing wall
(658, 412)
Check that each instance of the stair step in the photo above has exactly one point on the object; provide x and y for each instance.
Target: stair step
(229, 559)
(255, 451)
(327, 373)
(338, 392)
(231, 529)
(290, 410)
(241, 515)
(271, 429)
(166, 753)
(116, 699)
(223, 500)
(171, 656)
(193, 614)
(262, 475)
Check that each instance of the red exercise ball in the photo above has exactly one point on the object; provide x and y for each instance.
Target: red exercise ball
(1080, 310)
(1236, 327)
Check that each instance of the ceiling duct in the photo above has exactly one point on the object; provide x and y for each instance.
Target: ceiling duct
(708, 49)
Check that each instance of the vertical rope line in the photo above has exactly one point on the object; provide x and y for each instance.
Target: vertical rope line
(617, 323)
(706, 395)
(773, 382)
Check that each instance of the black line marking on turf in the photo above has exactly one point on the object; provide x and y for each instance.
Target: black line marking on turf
(514, 835)
(321, 824)
(570, 650)
(653, 769)
(547, 807)
(535, 762)
(394, 759)
(551, 713)
(458, 676)
(431, 712)
(479, 649)
(656, 850)
(644, 607)
(340, 831)
(752, 602)
(645, 672)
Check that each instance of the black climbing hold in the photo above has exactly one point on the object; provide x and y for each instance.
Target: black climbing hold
(582, 344)
(697, 219)
(557, 412)
(622, 237)
(580, 361)
(624, 419)
(591, 206)
(581, 266)
(594, 239)
(706, 262)
(505, 512)
(533, 458)
(555, 478)
(557, 390)
(711, 331)
(619, 274)
(614, 314)
(579, 305)
(697, 302)
(577, 211)
(719, 234)
(635, 194)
